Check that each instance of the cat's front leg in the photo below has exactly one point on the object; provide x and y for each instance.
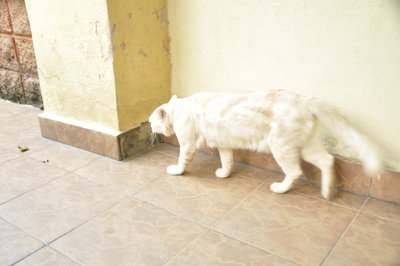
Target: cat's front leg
(226, 162)
(186, 155)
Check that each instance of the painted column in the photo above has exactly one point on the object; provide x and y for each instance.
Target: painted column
(103, 67)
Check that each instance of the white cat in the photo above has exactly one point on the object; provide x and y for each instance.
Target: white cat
(280, 122)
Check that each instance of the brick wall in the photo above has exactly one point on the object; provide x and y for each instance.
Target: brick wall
(18, 72)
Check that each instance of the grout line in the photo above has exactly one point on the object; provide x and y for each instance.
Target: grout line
(329, 202)
(210, 227)
(331, 250)
(83, 223)
(186, 246)
(23, 230)
(214, 229)
(377, 216)
(216, 156)
(146, 186)
(29, 234)
(16, 36)
(28, 255)
(268, 171)
(109, 186)
(253, 245)
(237, 204)
(59, 251)
(33, 189)
(397, 204)
(10, 160)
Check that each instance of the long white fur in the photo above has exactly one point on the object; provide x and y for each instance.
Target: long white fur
(280, 122)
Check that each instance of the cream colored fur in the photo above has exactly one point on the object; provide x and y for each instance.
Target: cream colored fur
(280, 122)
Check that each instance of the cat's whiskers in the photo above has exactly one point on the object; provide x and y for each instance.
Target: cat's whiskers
(153, 140)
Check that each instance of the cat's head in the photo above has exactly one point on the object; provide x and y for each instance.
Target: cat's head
(161, 119)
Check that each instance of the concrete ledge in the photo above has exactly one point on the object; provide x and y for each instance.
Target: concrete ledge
(107, 142)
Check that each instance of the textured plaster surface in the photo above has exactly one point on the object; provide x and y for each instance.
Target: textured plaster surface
(141, 58)
(345, 52)
(74, 58)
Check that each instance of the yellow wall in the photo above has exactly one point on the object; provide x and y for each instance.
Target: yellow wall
(74, 57)
(141, 58)
(105, 63)
(346, 52)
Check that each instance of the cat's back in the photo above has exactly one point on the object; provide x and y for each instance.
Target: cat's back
(225, 103)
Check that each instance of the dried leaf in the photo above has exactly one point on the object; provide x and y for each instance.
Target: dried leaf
(23, 148)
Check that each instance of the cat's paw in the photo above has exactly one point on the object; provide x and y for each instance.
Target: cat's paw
(279, 187)
(222, 173)
(328, 194)
(174, 170)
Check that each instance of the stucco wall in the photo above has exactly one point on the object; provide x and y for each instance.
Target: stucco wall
(346, 52)
(73, 48)
(141, 58)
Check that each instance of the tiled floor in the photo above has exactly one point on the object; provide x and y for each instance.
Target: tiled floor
(63, 206)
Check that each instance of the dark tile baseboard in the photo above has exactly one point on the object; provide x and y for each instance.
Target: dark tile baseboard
(349, 175)
(115, 145)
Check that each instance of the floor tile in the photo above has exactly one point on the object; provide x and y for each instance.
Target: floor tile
(341, 197)
(294, 226)
(24, 174)
(369, 241)
(6, 155)
(47, 257)
(197, 195)
(167, 149)
(54, 209)
(216, 249)
(10, 108)
(210, 163)
(382, 209)
(128, 176)
(12, 124)
(255, 173)
(15, 243)
(64, 156)
(30, 138)
(131, 233)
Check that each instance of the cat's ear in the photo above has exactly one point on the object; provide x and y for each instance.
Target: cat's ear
(161, 113)
(173, 99)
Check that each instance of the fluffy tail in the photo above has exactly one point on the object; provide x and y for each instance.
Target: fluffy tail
(365, 150)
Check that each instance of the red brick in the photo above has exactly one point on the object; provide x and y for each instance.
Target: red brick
(26, 56)
(4, 18)
(19, 17)
(8, 59)
(11, 86)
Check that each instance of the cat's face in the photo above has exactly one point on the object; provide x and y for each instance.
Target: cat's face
(160, 121)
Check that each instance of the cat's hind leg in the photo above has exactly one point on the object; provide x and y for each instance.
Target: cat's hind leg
(186, 154)
(290, 164)
(314, 153)
(285, 149)
(226, 156)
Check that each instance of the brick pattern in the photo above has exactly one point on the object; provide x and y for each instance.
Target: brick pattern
(19, 80)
